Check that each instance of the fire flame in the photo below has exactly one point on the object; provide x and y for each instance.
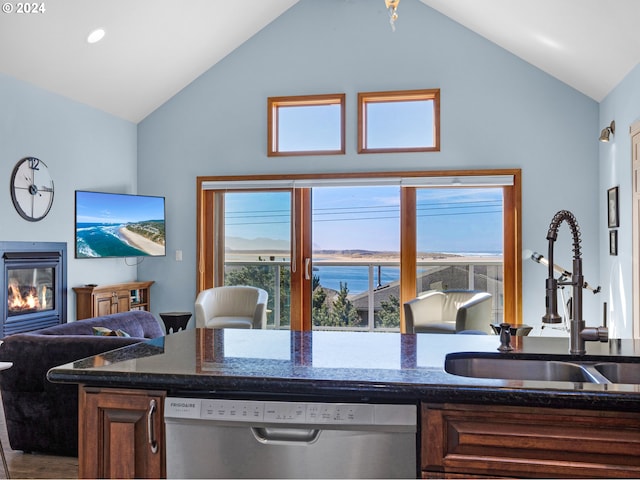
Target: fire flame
(17, 302)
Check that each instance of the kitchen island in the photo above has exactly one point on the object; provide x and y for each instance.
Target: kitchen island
(599, 421)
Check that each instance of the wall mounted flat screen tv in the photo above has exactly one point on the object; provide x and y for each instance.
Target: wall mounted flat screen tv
(119, 225)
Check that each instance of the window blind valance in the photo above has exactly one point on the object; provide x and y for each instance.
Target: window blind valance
(422, 181)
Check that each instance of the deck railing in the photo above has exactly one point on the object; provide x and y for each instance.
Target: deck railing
(480, 273)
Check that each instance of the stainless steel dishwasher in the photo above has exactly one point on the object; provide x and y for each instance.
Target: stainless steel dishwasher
(209, 438)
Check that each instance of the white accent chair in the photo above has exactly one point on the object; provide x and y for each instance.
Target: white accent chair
(449, 311)
(236, 306)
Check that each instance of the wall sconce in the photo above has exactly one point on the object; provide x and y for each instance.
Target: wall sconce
(607, 131)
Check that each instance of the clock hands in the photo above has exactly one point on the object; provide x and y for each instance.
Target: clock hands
(32, 189)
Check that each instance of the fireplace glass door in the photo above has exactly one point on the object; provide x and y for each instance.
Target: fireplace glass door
(30, 290)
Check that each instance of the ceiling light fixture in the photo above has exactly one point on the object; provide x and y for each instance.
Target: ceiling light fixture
(96, 35)
(607, 131)
(392, 7)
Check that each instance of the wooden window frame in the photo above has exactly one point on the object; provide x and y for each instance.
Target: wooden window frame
(274, 103)
(210, 257)
(365, 98)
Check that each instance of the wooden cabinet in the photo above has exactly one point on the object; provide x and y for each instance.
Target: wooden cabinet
(477, 440)
(121, 433)
(98, 300)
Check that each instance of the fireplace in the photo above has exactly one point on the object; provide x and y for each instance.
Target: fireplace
(34, 282)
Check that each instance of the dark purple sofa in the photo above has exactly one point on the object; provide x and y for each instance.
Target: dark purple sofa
(42, 416)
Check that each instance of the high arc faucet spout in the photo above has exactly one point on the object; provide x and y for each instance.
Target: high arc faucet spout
(579, 334)
(551, 316)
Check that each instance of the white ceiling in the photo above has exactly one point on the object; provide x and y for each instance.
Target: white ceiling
(590, 45)
(154, 48)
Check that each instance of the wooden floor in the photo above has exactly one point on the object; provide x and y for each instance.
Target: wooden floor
(34, 465)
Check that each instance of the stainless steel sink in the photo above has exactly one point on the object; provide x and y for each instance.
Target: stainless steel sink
(513, 367)
(620, 372)
(509, 368)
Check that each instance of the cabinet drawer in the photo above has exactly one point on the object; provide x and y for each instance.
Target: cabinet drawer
(529, 442)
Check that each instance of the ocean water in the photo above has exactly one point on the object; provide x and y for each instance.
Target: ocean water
(355, 276)
(103, 240)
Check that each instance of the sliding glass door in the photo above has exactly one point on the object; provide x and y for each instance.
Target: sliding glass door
(346, 253)
(459, 234)
(356, 257)
(256, 234)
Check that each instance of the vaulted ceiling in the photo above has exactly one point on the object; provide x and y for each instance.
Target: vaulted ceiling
(155, 48)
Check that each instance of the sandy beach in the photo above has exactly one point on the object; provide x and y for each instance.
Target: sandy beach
(364, 257)
(142, 243)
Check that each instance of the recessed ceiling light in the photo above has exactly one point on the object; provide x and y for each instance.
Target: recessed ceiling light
(96, 35)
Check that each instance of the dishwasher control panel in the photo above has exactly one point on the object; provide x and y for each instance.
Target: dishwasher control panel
(290, 412)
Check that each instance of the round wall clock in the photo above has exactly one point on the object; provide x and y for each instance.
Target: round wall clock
(31, 189)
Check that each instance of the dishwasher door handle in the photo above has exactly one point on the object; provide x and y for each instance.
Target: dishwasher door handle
(285, 436)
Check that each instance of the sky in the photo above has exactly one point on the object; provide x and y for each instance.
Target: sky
(460, 220)
(317, 127)
(96, 207)
(449, 219)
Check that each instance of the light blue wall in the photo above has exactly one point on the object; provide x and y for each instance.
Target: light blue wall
(497, 111)
(84, 149)
(623, 106)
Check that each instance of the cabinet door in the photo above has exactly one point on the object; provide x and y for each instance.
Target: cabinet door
(103, 304)
(112, 302)
(121, 434)
(528, 442)
(123, 301)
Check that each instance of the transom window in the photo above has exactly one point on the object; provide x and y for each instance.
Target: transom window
(399, 121)
(306, 125)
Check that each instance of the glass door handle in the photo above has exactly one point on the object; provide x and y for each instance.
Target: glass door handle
(307, 269)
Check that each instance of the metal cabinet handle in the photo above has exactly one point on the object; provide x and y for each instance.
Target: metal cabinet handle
(153, 444)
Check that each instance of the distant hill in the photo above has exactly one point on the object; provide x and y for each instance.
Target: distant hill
(264, 244)
(282, 247)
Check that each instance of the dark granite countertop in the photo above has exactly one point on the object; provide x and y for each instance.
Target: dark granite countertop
(345, 366)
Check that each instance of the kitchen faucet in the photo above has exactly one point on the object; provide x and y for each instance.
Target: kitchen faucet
(579, 333)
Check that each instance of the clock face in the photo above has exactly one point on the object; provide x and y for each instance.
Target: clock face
(31, 189)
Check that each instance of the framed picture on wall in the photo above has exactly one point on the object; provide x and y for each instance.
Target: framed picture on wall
(612, 207)
(613, 242)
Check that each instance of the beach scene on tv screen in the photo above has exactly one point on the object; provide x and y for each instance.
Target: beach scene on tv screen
(119, 225)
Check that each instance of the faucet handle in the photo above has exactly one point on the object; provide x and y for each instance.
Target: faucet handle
(592, 334)
(603, 334)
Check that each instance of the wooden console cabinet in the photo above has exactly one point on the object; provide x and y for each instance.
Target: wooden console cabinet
(499, 441)
(98, 300)
(121, 433)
